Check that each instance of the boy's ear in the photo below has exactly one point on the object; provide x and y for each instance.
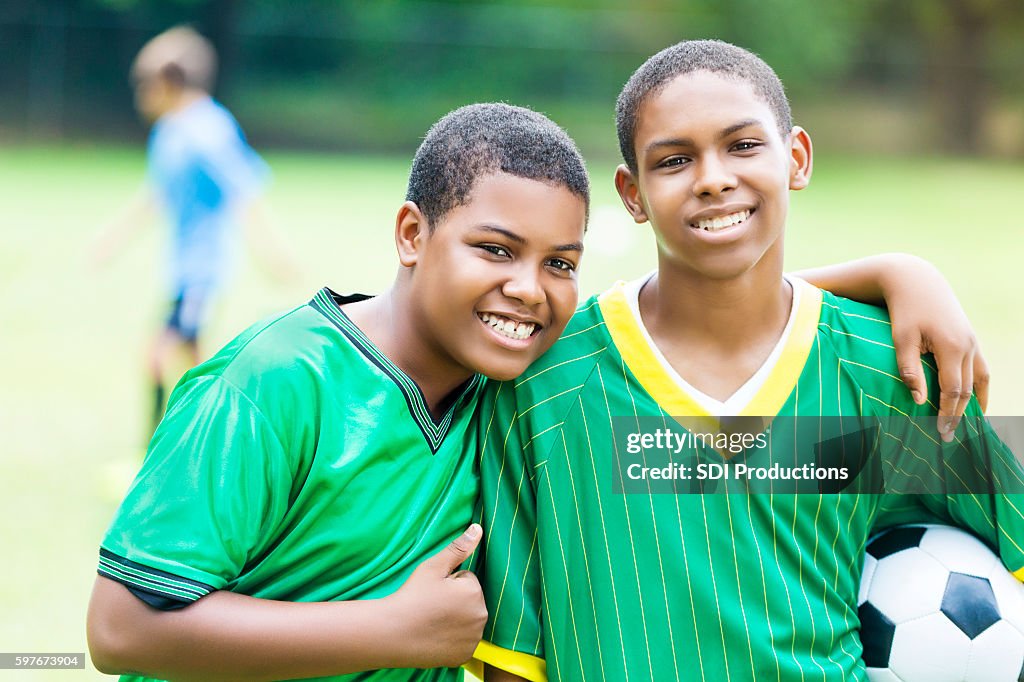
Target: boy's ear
(629, 192)
(173, 75)
(411, 232)
(801, 162)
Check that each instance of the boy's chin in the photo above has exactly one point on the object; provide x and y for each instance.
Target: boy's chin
(727, 267)
(506, 365)
(502, 373)
(506, 369)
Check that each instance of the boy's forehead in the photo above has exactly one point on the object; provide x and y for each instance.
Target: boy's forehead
(513, 201)
(707, 101)
(496, 186)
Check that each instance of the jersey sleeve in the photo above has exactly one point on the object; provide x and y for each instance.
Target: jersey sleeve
(509, 571)
(212, 485)
(975, 482)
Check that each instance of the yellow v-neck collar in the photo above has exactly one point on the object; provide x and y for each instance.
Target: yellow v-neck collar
(673, 398)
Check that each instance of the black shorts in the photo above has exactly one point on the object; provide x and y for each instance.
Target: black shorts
(188, 312)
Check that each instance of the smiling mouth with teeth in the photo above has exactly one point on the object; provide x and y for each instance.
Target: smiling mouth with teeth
(722, 222)
(508, 327)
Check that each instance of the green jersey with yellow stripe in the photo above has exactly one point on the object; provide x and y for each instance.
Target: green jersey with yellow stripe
(592, 574)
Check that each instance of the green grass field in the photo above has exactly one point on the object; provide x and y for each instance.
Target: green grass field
(72, 399)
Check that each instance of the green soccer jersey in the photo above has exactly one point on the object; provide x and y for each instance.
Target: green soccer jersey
(297, 464)
(586, 579)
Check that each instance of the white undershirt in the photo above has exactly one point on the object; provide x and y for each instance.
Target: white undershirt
(735, 403)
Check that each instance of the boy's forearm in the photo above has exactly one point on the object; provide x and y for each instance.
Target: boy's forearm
(861, 280)
(231, 636)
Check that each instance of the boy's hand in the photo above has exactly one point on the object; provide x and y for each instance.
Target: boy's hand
(927, 318)
(960, 364)
(440, 610)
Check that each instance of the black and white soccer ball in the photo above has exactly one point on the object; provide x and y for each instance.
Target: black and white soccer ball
(937, 604)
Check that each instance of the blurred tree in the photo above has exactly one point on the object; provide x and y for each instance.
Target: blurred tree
(961, 41)
(219, 19)
(808, 43)
(350, 73)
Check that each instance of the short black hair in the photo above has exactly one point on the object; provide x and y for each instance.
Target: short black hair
(482, 139)
(686, 57)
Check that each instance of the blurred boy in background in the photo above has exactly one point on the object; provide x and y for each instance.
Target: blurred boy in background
(206, 177)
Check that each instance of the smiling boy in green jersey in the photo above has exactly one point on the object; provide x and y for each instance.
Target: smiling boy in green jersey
(584, 581)
(291, 516)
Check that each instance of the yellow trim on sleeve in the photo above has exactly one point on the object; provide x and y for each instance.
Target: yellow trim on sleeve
(1019, 574)
(527, 666)
(474, 670)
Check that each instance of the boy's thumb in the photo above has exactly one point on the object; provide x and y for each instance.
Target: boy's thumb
(458, 550)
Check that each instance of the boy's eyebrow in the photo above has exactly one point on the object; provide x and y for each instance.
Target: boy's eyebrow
(573, 246)
(502, 231)
(687, 142)
(672, 142)
(736, 127)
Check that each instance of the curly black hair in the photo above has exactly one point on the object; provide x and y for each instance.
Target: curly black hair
(480, 139)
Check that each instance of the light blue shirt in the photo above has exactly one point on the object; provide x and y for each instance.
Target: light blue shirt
(201, 166)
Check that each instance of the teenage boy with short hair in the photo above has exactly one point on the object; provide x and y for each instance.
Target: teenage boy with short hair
(327, 456)
(586, 581)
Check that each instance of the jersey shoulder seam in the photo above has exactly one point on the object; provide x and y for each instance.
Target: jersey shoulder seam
(561, 422)
(259, 332)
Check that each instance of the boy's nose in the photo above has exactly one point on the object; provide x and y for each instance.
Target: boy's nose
(524, 286)
(713, 177)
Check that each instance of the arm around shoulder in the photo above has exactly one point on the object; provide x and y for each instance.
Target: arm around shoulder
(926, 318)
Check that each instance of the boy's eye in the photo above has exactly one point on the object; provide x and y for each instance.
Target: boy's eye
(496, 250)
(746, 145)
(673, 161)
(560, 264)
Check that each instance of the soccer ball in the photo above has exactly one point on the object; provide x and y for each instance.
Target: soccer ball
(936, 604)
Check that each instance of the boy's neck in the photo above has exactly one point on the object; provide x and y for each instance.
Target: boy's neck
(388, 322)
(717, 333)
